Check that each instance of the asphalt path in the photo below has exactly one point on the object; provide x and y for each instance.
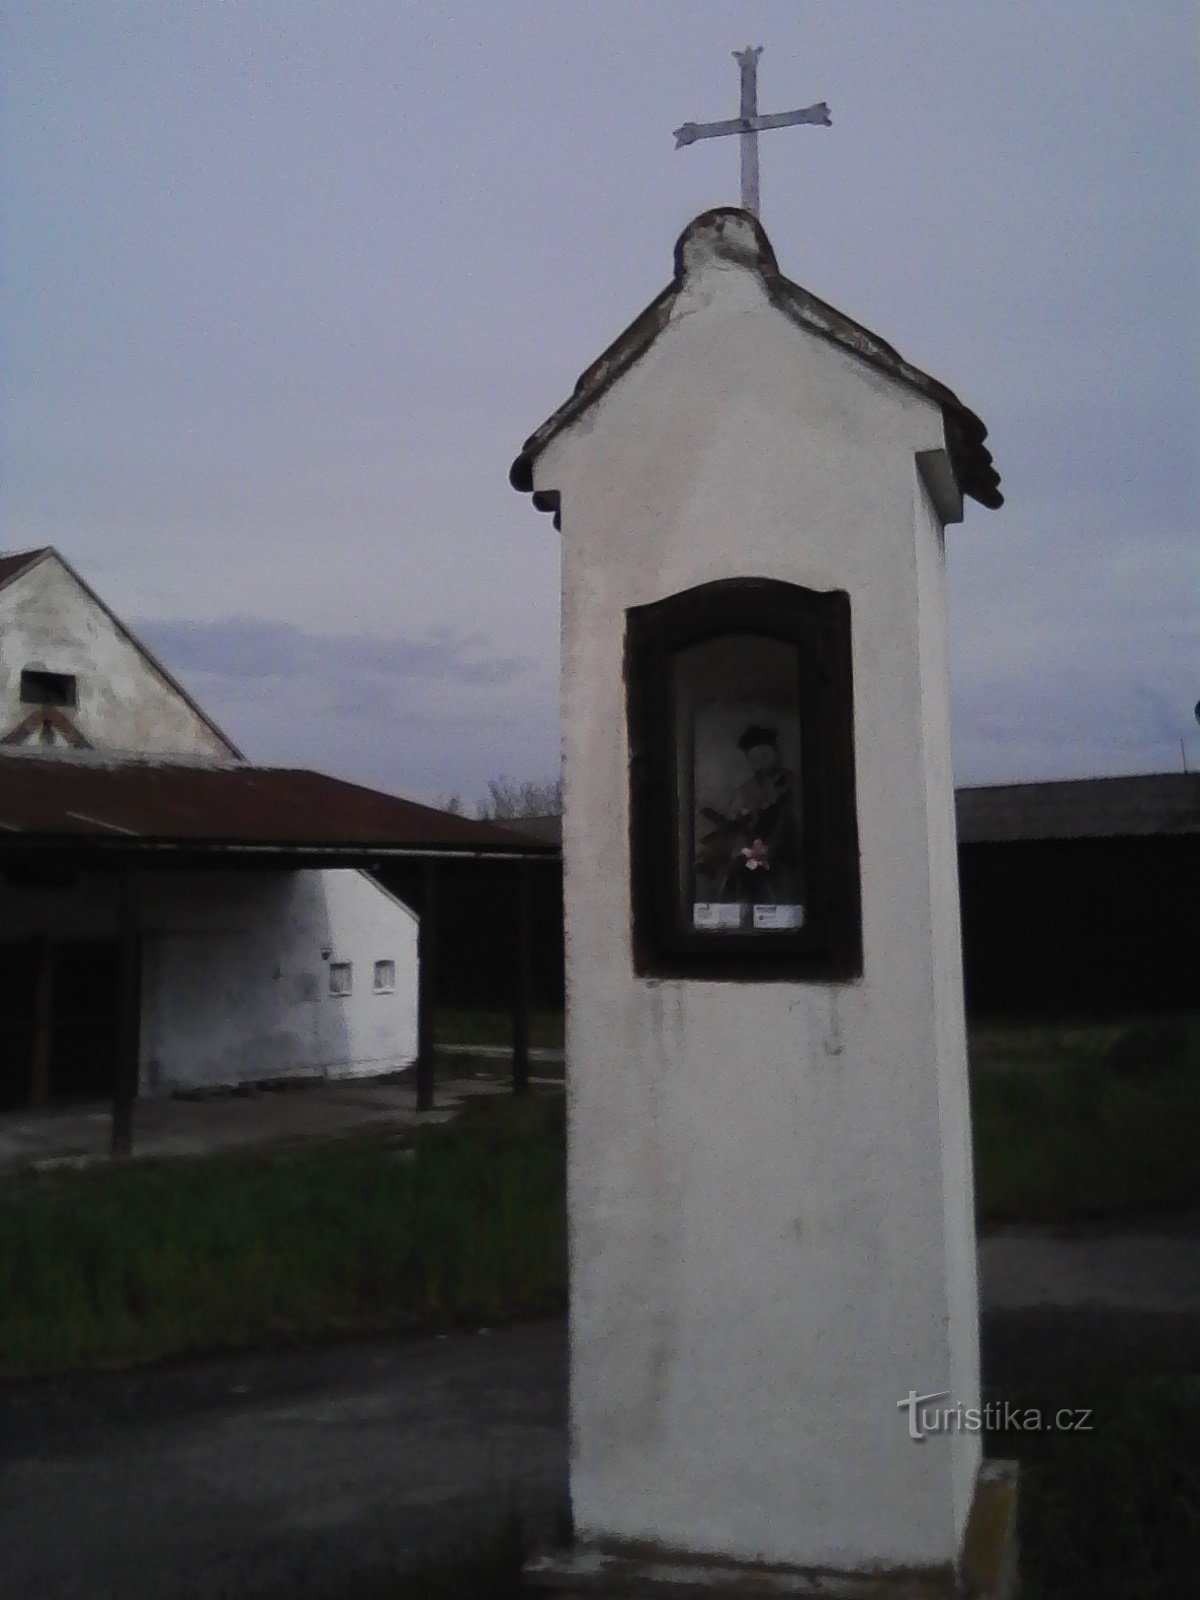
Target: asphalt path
(314, 1472)
(305, 1472)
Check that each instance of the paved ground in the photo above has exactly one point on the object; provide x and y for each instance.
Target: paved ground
(309, 1472)
(549, 1056)
(1153, 1267)
(323, 1109)
(1073, 1308)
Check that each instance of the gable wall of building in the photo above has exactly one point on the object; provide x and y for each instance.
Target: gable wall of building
(50, 623)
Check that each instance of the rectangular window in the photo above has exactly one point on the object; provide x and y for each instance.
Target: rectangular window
(341, 977)
(40, 688)
(385, 977)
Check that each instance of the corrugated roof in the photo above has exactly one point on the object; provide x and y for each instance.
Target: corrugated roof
(1086, 808)
(14, 561)
(546, 828)
(125, 803)
(965, 433)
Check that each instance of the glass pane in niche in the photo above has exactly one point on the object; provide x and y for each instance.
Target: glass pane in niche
(738, 804)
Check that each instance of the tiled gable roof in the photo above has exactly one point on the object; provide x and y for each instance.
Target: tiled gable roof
(725, 230)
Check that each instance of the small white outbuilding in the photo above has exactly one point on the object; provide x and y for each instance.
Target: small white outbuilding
(262, 950)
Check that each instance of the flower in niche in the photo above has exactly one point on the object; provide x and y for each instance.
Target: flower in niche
(755, 857)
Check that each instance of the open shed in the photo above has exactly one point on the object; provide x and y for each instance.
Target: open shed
(1071, 891)
(151, 903)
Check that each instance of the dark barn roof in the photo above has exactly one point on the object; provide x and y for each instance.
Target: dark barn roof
(89, 803)
(1086, 808)
(15, 562)
(548, 829)
(965, 433)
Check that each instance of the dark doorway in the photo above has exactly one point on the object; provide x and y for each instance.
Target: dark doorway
(58, 1020)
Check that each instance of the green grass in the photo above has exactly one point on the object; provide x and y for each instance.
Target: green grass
(1017, 1042)
(463, 1224)
(1081, 1134)
(1040, 1043)
(1112, 1514)
(466, 1223)
(451, 1026)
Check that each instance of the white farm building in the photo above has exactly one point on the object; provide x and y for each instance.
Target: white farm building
(171, 916)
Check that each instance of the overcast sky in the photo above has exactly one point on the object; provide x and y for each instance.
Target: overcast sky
(287, 284)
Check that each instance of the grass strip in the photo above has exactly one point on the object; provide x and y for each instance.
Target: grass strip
(463, 1224)
(1082, 1142)
(1113, 1513)
(466, 1223)
(469, 1026)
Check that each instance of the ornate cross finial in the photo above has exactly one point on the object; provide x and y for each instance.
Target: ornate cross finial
(749, 124)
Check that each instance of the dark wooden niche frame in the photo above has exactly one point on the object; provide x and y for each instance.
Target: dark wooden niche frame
(829, 946)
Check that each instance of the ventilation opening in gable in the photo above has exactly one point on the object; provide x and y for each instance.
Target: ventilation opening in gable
(40, 688)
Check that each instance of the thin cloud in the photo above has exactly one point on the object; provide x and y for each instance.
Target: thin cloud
(416, 716)
(254, 648)
(1070, 724)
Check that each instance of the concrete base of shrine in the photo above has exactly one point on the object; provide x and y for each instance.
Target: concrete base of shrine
(986, 1570)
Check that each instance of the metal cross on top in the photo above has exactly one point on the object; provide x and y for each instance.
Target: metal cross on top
(749, 125)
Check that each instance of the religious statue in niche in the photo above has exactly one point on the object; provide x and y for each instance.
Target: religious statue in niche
(747, 836)
(743, 843)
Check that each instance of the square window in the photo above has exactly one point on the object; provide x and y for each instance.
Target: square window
(385, 977)
(341, 977)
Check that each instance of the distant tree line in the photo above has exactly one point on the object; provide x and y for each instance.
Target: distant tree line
(507, 797)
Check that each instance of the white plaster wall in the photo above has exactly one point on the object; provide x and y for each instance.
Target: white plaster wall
(48, 621)
(769, 1183)
(235, 985)
(958, 1186)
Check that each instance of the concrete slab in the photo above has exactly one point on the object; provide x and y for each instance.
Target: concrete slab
(315, 1109)
(1153, 1266)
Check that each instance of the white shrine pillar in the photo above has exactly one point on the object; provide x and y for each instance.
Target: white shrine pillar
(770, 1190)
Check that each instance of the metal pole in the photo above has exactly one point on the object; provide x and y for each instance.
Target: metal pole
(747, 60)
(522, 987)
(426, 938)
(129, 1009)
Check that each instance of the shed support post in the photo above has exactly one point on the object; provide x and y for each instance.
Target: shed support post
(39, 1085)
(521, 989)
(129, 1012)
(426, 939)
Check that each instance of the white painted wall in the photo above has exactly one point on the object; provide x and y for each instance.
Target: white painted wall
(954, 1120)
(50, 622)
(235, 982)
(237, 986)
(771, 1236)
